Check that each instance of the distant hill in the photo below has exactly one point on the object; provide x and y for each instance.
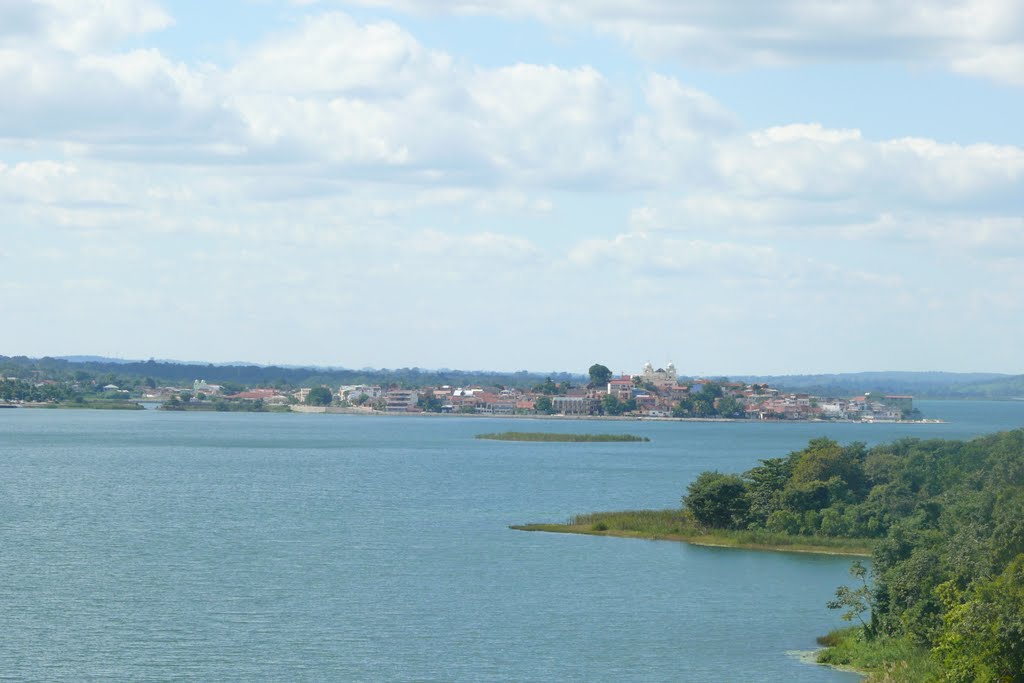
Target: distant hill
(94, 359)
(1004, 387)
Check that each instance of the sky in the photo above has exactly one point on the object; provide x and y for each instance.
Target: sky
(740, 188)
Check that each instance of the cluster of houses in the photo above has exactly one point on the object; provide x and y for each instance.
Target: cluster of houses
(202, 390)
(653, 392)
(867, 408)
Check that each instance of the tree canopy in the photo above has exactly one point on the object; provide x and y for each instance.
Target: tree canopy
(599, 375)
(319, 396)
(717, 500)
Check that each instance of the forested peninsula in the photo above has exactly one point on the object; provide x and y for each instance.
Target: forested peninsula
(943, 599)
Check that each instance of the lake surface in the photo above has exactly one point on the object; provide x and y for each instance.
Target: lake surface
(210, 546)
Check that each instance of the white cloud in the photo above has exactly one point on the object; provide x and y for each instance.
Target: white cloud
(999, 62)
(332, 54)
(79, 25)
(812, 162)
(979, 37)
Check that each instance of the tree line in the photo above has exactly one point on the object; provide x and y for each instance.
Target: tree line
(244, 375)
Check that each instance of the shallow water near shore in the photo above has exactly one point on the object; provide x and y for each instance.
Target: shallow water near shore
(151, 545)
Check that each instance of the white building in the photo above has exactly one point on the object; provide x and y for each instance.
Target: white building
(200, 385)
(662, 377)
(351, 392)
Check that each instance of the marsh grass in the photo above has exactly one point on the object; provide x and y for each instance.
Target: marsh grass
(676, 524)
(546, 437)
(100, 404)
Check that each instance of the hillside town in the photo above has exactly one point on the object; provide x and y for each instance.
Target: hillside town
(650, 393)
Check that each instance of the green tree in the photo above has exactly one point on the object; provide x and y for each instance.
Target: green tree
(983, 634)
(711, 390)
(855, 601)
(611, 405)
(717, 500)
(729, 406)
(229, 388)
(683, 409)
(429, 403)
(765, 484)
(599, 375)
(548, 387)
(543, 405)
(702, 407)
(319, 396)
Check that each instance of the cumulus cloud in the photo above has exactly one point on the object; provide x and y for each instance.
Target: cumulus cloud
(332, 54)
(813, 162)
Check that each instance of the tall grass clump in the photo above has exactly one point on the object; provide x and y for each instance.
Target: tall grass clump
(657, 522)
(886, 659)
(550, 437)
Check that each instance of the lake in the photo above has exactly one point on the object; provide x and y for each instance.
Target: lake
(149, 545)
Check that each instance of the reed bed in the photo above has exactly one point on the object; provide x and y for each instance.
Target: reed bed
(548, 436)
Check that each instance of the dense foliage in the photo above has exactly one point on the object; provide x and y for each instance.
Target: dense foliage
(20, 390)
(319, 396)
(948, 565)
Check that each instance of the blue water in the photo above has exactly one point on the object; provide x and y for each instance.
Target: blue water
(151, 546)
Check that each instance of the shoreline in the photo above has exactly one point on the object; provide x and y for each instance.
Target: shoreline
(705, 540)
(334, 410)
(810, 657)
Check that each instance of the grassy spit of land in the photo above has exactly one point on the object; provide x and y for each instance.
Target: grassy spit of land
(547, 436)
(88, 403)
(676, 525)
(244, 406)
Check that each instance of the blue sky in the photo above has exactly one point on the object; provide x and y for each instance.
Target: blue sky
(740, 188)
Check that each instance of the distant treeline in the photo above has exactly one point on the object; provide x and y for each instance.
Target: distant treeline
(918, 384)
(257, 375)
(948, 565)
(949, 385)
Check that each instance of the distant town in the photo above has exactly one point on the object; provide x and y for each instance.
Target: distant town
(651, 393)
